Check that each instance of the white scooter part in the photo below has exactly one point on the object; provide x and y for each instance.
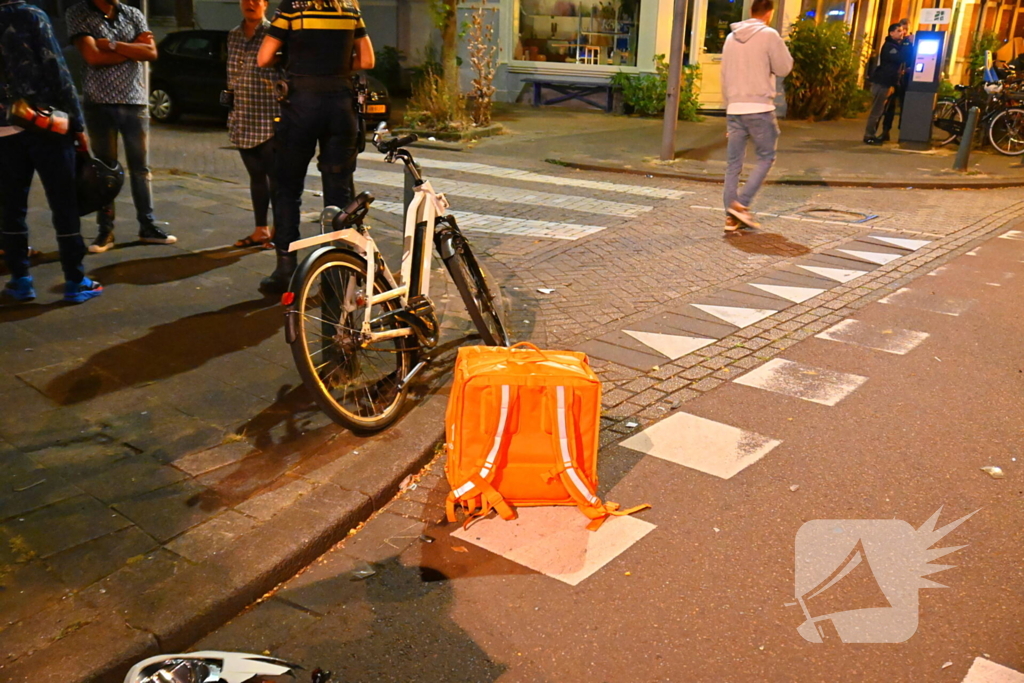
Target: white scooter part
(209, 666)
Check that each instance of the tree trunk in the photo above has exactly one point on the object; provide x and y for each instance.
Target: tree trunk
(450, 46)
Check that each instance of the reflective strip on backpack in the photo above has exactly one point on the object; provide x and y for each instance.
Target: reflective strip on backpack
(563, 443)
(493, 454)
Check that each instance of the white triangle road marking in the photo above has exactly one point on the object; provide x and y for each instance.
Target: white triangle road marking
(1012, 235)
(871, 256)
(797, 295)
(734, 315)
(986, 671)
(672, 345)
(912, 245)
(837, 274)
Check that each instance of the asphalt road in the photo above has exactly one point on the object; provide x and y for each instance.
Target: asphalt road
(709, 594)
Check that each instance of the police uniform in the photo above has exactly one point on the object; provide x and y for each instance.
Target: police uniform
(318, 38)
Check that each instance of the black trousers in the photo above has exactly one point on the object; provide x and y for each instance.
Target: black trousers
(259, 163)
(22, 156)
(310, 119)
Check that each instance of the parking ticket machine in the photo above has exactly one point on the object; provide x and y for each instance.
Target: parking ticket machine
(919, 102)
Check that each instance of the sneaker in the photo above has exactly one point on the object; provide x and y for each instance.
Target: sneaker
(871, 140)
(150, 234)
(104, 241)
(80, 292)
(743, 216)
(731, 224)
(20, 289)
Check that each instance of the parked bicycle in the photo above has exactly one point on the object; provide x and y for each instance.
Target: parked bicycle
(1001, 118)
(357, 331)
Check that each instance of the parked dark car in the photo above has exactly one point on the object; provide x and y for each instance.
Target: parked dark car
(192, 71)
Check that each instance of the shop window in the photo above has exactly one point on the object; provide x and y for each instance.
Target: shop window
(721, 14)
(578, 32)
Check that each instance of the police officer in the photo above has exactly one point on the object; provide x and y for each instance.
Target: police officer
(325, 41)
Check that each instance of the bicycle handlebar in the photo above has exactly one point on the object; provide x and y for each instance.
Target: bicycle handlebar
(389, 146)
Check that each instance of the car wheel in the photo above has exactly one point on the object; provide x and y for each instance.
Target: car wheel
(162, 106)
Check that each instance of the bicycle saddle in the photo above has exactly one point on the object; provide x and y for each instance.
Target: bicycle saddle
(352, 214)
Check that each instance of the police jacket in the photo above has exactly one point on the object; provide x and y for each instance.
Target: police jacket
(33, 67)
(318, 35)
(892, 57)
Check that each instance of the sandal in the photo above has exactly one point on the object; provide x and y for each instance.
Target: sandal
(248, 242)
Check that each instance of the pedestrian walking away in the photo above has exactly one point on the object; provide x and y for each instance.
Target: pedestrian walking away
(753, 57)
(254, 108)
(884, 81)
(114, 40)
(33, 79)
(325, 41)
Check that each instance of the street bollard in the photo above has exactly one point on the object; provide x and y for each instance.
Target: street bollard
(966, 140)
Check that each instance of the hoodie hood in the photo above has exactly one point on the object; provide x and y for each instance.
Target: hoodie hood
(745, 30)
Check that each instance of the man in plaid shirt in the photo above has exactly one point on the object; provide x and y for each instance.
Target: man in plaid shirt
(254, 108)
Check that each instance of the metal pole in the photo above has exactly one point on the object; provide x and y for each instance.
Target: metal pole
(966, 140)
(675, 70)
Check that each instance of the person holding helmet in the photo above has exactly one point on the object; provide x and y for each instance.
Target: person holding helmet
(325, 41)
(37, 92)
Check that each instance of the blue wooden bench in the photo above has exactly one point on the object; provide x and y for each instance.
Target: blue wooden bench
(573, 89)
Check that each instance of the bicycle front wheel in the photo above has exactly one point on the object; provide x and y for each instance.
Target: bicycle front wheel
(483, 303)
(356, 382)
(947, 120)
(1006, 132)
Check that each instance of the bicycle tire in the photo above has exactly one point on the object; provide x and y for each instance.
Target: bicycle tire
(1008, 128)
(341, 380)
(946, 108)
(485, 308)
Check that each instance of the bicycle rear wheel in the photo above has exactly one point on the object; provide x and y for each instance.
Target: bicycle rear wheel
(358, 384)
(946, 121)
(484, 304)
(1006, 132)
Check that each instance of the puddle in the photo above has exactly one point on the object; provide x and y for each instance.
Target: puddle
(765, 243)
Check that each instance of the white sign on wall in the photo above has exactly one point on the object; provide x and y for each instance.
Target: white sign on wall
(936, 15)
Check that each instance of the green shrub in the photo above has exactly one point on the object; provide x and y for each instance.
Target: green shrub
(823, 83)
(644, 94)
(976, 61)
(946, 89)
(434, 107)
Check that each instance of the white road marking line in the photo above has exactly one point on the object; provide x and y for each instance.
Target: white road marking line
(897, 341)
(1012, 235)
(674, 346)
(993, 284)
(501, 225)
(531, 177)
(711, 447)
(837, 274)
(797, 295)
(973, 252)
(871, 256)
(788, 378)
(926, 302)
(555, 541)
(986, 671)
(495, 193)
(735, 315)
(912, 245)
(774, 215)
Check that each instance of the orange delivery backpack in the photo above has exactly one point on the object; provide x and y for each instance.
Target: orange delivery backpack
(521, 428)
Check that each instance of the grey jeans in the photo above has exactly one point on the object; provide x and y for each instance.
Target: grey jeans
(879, 97)
(763, 130)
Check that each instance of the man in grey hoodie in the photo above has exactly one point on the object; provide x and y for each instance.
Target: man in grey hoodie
(754, 55)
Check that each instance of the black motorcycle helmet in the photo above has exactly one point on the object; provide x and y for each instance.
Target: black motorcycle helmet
(97, 184)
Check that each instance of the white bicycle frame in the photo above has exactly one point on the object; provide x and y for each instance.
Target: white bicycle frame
(425, 208)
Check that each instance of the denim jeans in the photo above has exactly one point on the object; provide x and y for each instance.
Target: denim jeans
(763, 130)
(23, 155)
(104, 122)
(308, 119)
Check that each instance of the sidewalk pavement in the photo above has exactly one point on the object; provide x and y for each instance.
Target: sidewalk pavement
(815, 153)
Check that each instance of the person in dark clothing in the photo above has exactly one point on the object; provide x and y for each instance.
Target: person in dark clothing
(32, 69)
(901, 87)
(884, 80)
(325, 41)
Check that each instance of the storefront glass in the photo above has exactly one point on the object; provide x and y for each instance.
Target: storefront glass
(578, 32)
(721, 13)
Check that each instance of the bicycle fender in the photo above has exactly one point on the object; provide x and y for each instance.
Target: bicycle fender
(444, 243)
(291, 315)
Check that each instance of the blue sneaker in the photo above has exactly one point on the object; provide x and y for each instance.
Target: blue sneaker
(20, 289)
(80, 292)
